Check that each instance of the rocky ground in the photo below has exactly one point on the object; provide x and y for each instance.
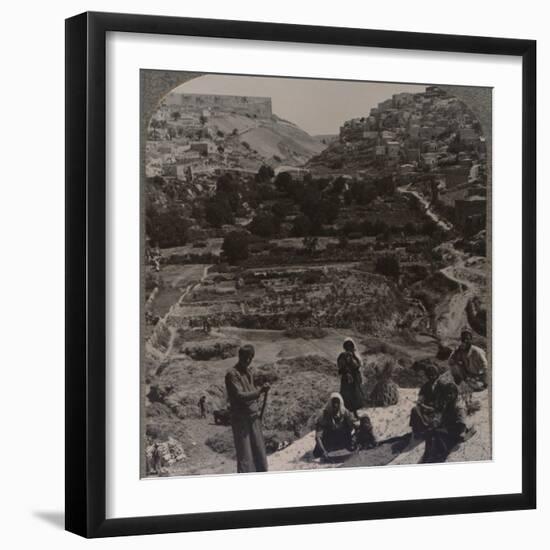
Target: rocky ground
(302, 373)
(183, 364)
(390, 426)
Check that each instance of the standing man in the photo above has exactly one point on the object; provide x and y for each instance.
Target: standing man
(245, 416)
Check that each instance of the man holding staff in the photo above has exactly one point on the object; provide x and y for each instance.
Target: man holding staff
(245, 414)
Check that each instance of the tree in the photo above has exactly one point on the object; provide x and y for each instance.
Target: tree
(265, 173)
(363, 192)
(218, 212)
(283, 182)
(264, 224)
(235, 246)
(266, 191)
(385, 186)
(338, 185)
(455, 145)
(302, 226)
(343, 241)
(227, 191)
(280, 210)
(428, 228)
(388, 266)
(409, 229)
(166, 228)
(176, 115)
(310, 244)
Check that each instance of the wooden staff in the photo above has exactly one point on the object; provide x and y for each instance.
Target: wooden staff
(263, 406)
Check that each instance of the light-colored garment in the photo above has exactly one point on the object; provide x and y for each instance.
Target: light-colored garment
(470, 366)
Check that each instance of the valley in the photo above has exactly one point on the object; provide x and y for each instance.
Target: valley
(259, 233)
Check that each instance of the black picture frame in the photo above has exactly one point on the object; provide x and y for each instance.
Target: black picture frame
(86, 275)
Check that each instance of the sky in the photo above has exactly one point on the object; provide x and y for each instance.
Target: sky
(316, 106)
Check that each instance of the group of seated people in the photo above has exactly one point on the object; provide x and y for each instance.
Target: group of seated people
(439, 417)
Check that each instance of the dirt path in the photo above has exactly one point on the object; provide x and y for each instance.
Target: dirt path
(428, 210)
(471, 282)
(201, 459)
(162, 323)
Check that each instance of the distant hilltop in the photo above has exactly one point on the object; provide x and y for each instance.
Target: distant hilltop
(243, 105)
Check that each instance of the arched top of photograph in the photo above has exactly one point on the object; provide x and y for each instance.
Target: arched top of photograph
(296, 216)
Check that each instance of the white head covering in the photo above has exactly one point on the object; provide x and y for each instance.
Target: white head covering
(328, 406)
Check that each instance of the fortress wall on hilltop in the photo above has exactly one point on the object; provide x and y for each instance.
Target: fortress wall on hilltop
(251, 105)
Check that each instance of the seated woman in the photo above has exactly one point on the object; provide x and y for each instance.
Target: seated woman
(334, 428)
(449, 426)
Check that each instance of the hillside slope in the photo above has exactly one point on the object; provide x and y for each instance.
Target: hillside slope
(275, 140)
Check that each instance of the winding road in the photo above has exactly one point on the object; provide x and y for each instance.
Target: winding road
(432, 214)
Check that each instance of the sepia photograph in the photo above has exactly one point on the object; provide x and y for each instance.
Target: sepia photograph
(315, 274)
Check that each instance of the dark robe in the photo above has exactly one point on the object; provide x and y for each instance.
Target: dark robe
(336, 432)
(449, 423)
(349, 368)
(422, 414)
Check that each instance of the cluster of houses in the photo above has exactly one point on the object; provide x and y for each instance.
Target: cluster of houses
(416, 129)
(428, 132)
(182, 146)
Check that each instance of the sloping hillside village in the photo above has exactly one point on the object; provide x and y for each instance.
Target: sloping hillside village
(258, 233)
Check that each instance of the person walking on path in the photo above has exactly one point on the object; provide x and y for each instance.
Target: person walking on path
(202, 406)
(243, 397)
(349, 368)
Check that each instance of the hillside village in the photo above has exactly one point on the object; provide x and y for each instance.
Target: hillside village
(258, 232)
